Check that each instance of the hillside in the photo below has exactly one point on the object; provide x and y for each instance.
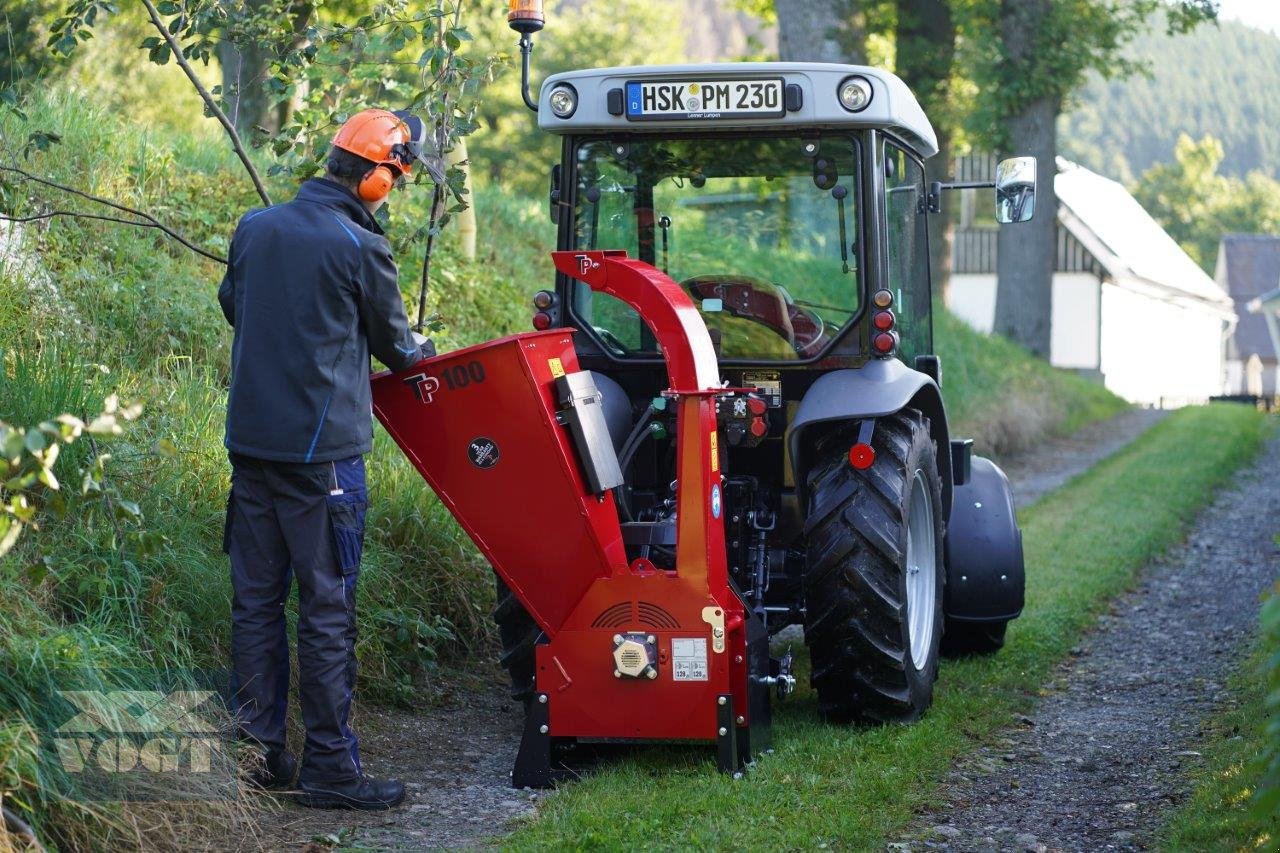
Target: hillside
(1222, 80)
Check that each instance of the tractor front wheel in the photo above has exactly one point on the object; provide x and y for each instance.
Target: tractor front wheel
(874, 572)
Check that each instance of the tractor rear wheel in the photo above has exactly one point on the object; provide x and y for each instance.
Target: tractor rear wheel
(874, 572)
(518, 634)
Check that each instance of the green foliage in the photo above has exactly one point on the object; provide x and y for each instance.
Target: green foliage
(24, 29)
(511, 151)
(1197, 84)
(27, 478)
(1235, 790)
(1197, 206)
(1267, 798)
(1073, 38)
(845, 787)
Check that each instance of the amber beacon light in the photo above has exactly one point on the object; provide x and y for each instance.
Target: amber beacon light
(525, 16)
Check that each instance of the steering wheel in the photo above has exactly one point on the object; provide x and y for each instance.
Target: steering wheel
(762, 302)
(611, 340)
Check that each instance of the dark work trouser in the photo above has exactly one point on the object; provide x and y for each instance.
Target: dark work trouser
(287, 521)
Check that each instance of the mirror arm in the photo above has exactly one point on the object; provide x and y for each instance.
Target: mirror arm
(526, 49)
(936, 188)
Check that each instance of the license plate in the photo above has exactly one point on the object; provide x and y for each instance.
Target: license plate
(704, 99)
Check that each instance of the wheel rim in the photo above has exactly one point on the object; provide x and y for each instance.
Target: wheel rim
(922, 565)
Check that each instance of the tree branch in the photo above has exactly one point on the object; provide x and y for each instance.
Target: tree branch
(209, 102)
(78, 214)
(148, 221)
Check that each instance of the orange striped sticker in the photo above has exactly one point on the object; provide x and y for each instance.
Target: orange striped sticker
(715, 451)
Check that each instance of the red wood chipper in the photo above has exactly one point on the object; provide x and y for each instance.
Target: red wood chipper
(736, 427)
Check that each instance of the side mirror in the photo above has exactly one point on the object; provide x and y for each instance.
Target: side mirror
(1015, 190)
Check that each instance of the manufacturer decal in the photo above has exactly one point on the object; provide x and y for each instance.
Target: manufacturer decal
(455, 378)
(715, 501)
(483, 452)
(585, 264)
(424, 386)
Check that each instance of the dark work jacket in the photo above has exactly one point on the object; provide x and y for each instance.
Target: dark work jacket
(311, 291)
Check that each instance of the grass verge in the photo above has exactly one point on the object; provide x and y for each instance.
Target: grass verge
(1235, 799)
(1221, 812)
(851, 788)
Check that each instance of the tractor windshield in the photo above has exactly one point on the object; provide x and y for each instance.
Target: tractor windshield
(761, 231)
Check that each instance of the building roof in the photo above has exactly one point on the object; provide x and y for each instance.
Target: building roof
(1249, 267)
(892, 104)
(1128, 243)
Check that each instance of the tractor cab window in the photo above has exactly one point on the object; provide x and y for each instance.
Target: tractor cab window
(906, 231)
(761, 232)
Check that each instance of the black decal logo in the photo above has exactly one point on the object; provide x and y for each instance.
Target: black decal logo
(424, 386)
(483, 452)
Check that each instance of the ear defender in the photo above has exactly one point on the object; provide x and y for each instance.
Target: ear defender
(376, 184)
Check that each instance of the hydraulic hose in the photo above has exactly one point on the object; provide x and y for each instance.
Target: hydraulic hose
(628, 452)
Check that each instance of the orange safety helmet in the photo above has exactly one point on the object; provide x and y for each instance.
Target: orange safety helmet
(391, 141)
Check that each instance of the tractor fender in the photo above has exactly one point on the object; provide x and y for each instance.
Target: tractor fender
(985, 575)
(880, 387)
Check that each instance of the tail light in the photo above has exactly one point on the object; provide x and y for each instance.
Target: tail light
(882, 299)
(885, 343)
(542, 321)
(883, 320)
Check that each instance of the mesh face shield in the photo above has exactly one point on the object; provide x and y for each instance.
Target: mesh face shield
(419, 148)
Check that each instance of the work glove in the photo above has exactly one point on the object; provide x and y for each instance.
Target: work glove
(426, 349)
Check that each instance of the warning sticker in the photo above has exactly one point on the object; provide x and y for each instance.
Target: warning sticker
(689, 659)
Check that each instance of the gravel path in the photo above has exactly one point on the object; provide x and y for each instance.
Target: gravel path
(1053, 463)
(1103, 758)
(455, 757)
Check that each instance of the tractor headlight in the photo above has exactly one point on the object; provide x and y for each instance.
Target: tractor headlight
(564, 100)
(854, 93)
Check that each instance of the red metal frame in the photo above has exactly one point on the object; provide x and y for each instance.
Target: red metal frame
(559, 547)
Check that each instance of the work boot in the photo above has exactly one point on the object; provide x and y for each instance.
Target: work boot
(276, 770)
(364, 793)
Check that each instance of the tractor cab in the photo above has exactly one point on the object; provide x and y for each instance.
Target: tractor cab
(781, 196)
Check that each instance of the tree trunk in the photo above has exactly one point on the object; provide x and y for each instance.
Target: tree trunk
(1027, 252)
(246, 63)
(926, 49)
(466, 218)
(244, 68)
(821, 31)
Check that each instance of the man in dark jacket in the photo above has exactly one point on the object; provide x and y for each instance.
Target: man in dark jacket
(311, 291)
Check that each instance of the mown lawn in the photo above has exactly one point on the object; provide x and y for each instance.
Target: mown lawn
(854, 788)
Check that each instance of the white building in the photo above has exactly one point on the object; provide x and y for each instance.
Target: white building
(1249, 270)
(1129, 305)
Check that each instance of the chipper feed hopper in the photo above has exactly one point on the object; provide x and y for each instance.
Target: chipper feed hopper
(511, 435)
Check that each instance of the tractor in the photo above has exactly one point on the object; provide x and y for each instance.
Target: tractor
(728, 420)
